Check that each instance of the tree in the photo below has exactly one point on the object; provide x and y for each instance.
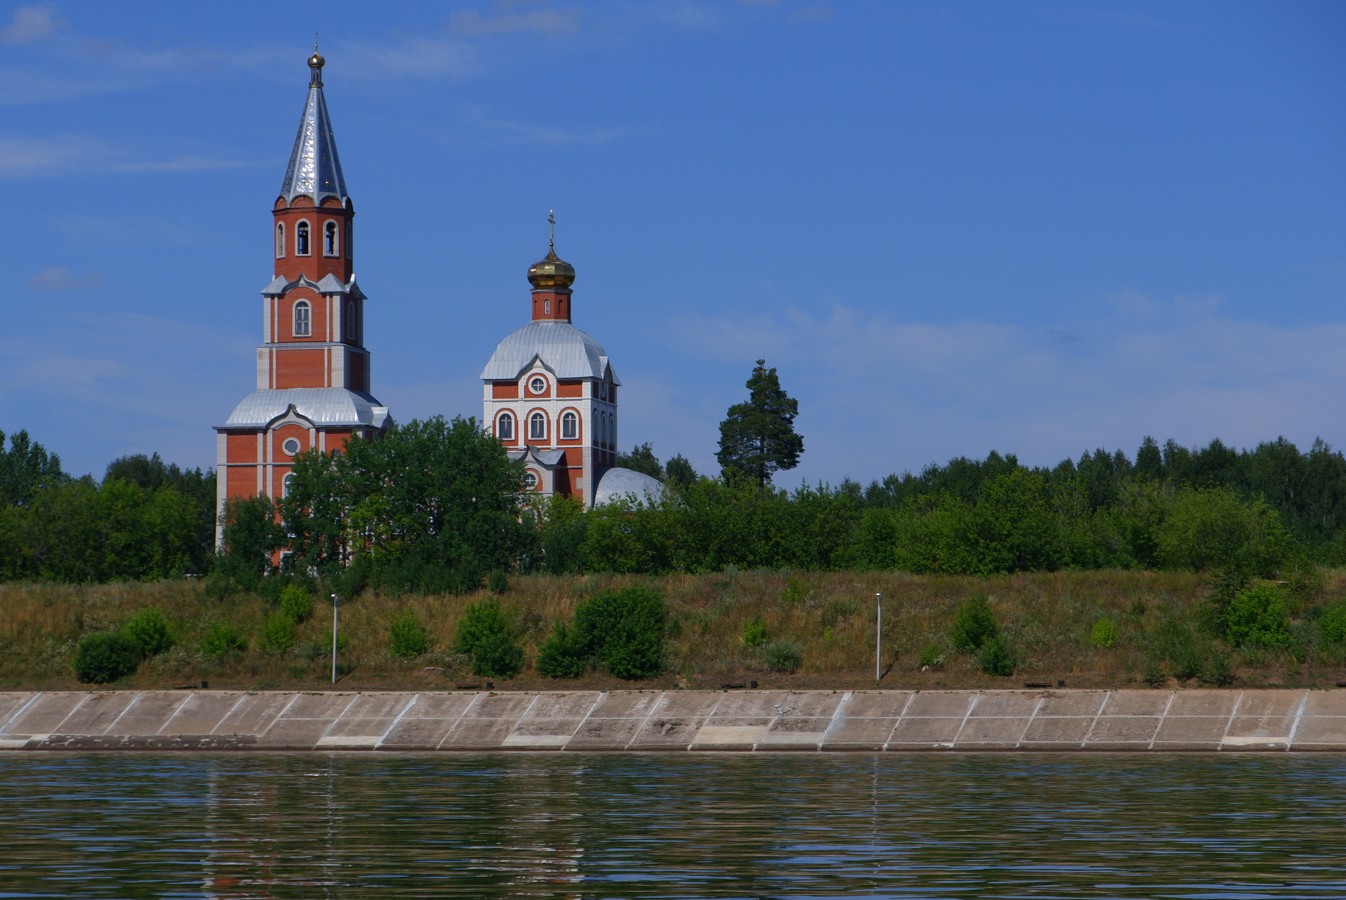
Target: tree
(758, 437)
(642, 459)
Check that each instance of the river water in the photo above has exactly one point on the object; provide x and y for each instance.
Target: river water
(676, 825)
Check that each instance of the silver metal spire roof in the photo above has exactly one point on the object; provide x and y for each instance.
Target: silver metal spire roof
(563, 348)
(315, 168)
(321, 406)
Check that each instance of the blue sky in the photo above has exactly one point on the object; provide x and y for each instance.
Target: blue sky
(1037, 228)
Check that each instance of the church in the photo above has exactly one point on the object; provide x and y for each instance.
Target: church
(550, 392)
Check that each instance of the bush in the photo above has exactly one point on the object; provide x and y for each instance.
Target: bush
(487, 636)
(624, 631)
(1332, 625)
(407, 637)
(497, 582)
(754, 633)
(278, 633)
(932, 656)
(565, 653)
(223, 640)
(783, 656)
(1256, 618)
(150, 632)
(997, 657)
(105, 656)
(296, 603)
(973, 624)
(1104, 634)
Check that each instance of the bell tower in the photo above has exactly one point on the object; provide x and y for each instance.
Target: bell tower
(313, 372)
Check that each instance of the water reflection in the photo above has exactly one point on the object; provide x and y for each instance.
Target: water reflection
(678, 825)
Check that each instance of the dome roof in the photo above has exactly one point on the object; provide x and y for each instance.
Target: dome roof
(565, 350)
(627, 484)
(551, 273)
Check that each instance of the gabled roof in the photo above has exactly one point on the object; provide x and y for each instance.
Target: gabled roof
(565, 350)
(328, 284)
(324, 407)
(315, 167)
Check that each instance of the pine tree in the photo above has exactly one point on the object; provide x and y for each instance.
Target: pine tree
(758, 437)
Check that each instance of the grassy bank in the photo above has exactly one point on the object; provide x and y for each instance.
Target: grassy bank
(722, 627)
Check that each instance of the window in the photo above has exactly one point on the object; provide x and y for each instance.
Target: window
(348, 240)
(538, 385)
(530, 480)
(303, 320)
(546, 307)
(301, 239)
(329, 239)
(286, 485)
(570, 426)
(602, 428)
(280, 240)
(603, 391)
(352, 325)
(290, 446)
(537, 427)
(504, 427)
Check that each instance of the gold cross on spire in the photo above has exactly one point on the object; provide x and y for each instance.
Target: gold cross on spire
(551, 229)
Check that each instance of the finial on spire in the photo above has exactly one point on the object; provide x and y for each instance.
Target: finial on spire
(315, 64)
(551, 230)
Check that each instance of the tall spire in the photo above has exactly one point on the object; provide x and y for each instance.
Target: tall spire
(315, 167)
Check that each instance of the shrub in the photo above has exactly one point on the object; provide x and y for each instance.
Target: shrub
(407, 637)
(105, 656)
(624, 631)
(1332, 625)
(150, 632)
(1104, 634)
(973, 624)
(783, 655)
(794, 592)
(754, 632)
(997, 657)
(932, 656)
(487, 636)
(278, 632)
(1256, 618)
(564, 654)
(223, 639)
(497, 582)
(296, 603)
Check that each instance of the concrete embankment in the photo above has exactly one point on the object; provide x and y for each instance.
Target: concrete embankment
(480, 721)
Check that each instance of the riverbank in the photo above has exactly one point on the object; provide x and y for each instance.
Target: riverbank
(728, 720)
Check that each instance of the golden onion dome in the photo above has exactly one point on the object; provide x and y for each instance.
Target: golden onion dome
(551, 273)
(316, 61)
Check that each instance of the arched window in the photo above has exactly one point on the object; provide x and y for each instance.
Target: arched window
(286, 485)
(303, 319)
(504, 427)
(280, 240)
(352, 324)
(546, 307)
(329, 239)
(537, 427)
(530, 480)
(570, 426)
(301, 239)
(602, 428)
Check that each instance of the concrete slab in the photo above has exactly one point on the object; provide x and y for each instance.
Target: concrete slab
(1251, 727)
(1136, 703)
(1203, 703)
(793, 739)
(202, 712)
(666, 733)
(382, 705)
(575, 705)
(294, 734)
(1191, 732)
(859, 733)
(1005, 704)
(11, 703)
(417, 734)
(552, 727)
(728, 737)
(811, 704)
(1325, 703)
(319, 705)
(99, 710)
(605, 734)
(754, 705)
(43, 714)
(1072, 703)
(626, 704)
(925, 732)
(470, 733)
(1122, 732)
(1058, 731)
(499, 706)
(878, 704)
(986, 733)
(1320, 733)
(1270, 704)
(941, 704)
(254, 713)
(151, 711)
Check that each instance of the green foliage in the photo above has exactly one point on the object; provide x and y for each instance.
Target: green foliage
(757, 437)
(251, 536)
(997, 657)
(783, 655)
(932, 657)
(642, 459)
(278, 635)
(105, 656)
(563, 528)
(973, 624)
(223, 640)
(1213, 529)
(624, 630)
(486, 634)
(407, 637)
(497, 582)
(296, 603)
(1256, 619)
(149, 631)
(565, 654)
(1104, 634)
(1332, 624)
(680, 474)
(793, 592)
(753, 633)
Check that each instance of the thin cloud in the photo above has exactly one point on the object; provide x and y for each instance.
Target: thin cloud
(59, 278)
(472, 23)
(31, 24)
(181, 164)
(504, 131)
(25, 158)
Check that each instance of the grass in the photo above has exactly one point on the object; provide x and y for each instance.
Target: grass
(1046, 618)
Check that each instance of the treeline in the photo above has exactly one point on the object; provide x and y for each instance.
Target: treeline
(145, 520)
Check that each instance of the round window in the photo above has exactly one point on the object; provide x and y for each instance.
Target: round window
(537, 385)
(530, 479)
(291, 446)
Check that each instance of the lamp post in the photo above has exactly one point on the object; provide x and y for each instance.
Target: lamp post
(336, 601)
(878, 634)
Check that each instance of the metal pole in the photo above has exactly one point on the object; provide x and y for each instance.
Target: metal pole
(336, 601)
(878, 637)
